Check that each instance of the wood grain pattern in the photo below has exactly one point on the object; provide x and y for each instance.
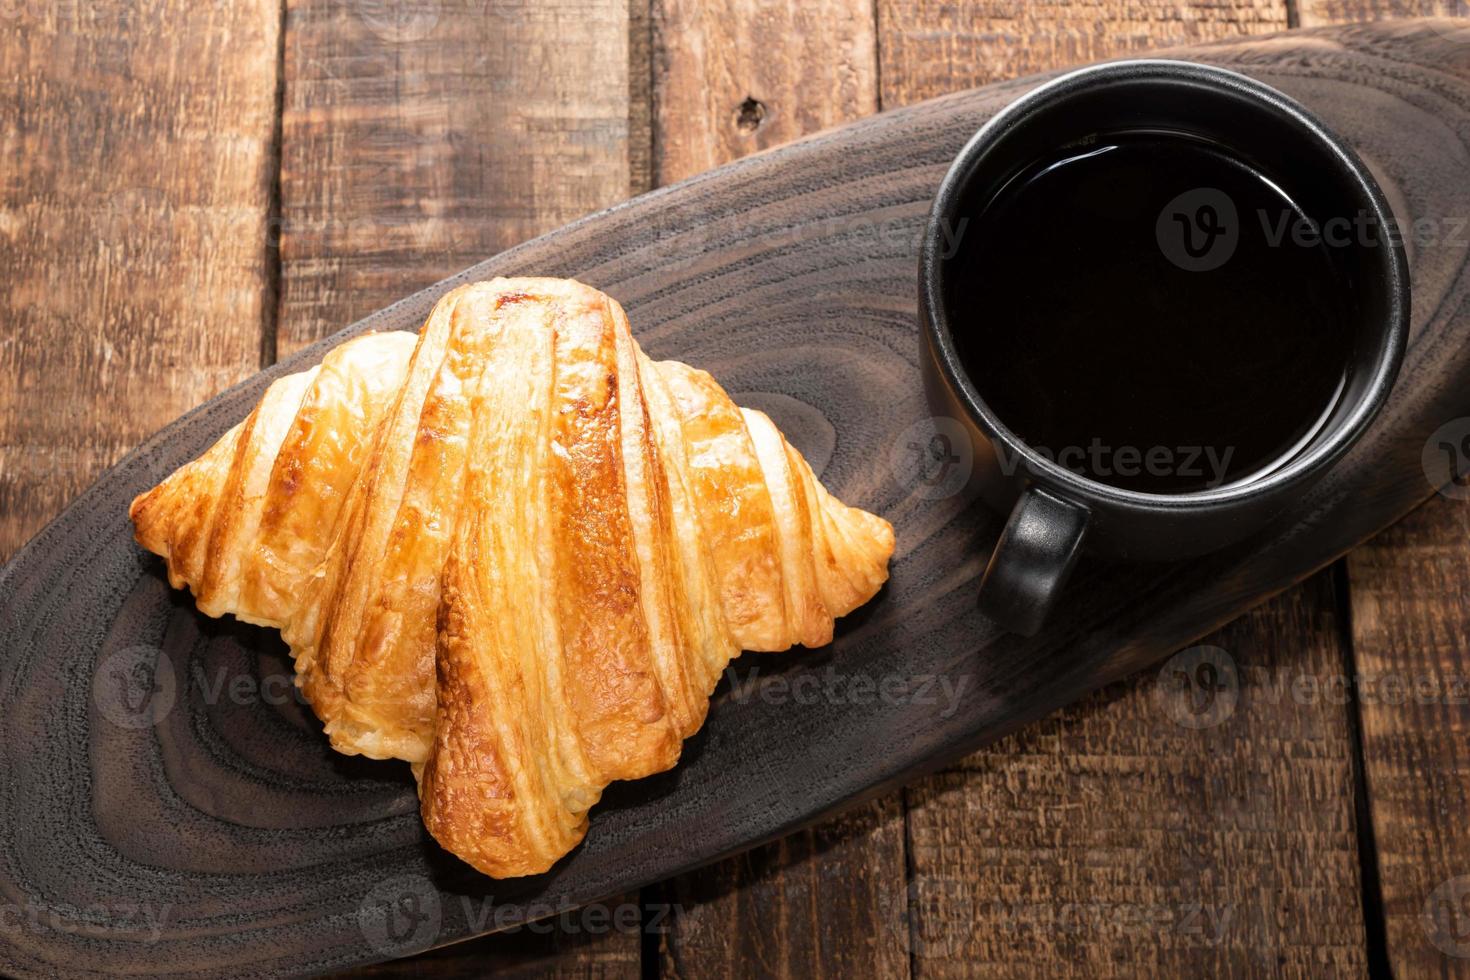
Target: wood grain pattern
(420, 137)
(733, 76)
(133, 215)
(1411, 686)
(1317, 13)
(1091, 871)
(829, 900)
(1194, 820)
(934, 46)
(274, 855)
(1411, 618)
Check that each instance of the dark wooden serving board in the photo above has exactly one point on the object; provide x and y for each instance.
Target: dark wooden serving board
(208, 828)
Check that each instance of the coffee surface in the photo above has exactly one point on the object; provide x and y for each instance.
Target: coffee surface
(1151, 312)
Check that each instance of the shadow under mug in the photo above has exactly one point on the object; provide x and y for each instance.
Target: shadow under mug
(1055, 513)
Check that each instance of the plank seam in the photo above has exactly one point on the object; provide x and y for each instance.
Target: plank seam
(647, 177)
(275, 220)
(910, 878)
(648, 939)
(877, 55)
(1375, 925)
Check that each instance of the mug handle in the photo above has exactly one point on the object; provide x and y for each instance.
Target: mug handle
(1031, 561)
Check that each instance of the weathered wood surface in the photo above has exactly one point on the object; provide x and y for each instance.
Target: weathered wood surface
(1320, 13)
(760, 261)
(933, 47)
(734, 76)
(420, 137)
(1182, 823)
(1410, 623)
(134, 204)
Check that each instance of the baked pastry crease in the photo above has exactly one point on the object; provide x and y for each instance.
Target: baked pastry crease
(514, 552)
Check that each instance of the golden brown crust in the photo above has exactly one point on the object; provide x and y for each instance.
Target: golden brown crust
(514, 552)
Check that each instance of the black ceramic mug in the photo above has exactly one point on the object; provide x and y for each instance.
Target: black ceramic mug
(1058, 511)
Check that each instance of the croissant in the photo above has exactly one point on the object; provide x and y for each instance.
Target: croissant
(514, 552)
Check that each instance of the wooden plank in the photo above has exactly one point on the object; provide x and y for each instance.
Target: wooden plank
(1316, 13)
(1410, 623)
(640, 96)
(1195, 820)
(730, 78)
(421, 138)
(829, 901)
(735, 76)
(930, 47)
(418, 139)
(1410, 626)
(133, 212)
(1039, 856)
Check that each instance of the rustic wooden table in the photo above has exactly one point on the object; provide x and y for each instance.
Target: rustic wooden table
(194, 187)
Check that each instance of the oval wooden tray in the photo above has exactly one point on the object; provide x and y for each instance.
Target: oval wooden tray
(217, 813)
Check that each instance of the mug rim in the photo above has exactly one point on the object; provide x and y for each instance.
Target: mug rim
(1394, 269)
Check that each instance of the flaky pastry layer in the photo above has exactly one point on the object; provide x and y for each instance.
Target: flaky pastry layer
(514, 552)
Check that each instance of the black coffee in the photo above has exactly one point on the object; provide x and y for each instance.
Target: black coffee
(1152, 312)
